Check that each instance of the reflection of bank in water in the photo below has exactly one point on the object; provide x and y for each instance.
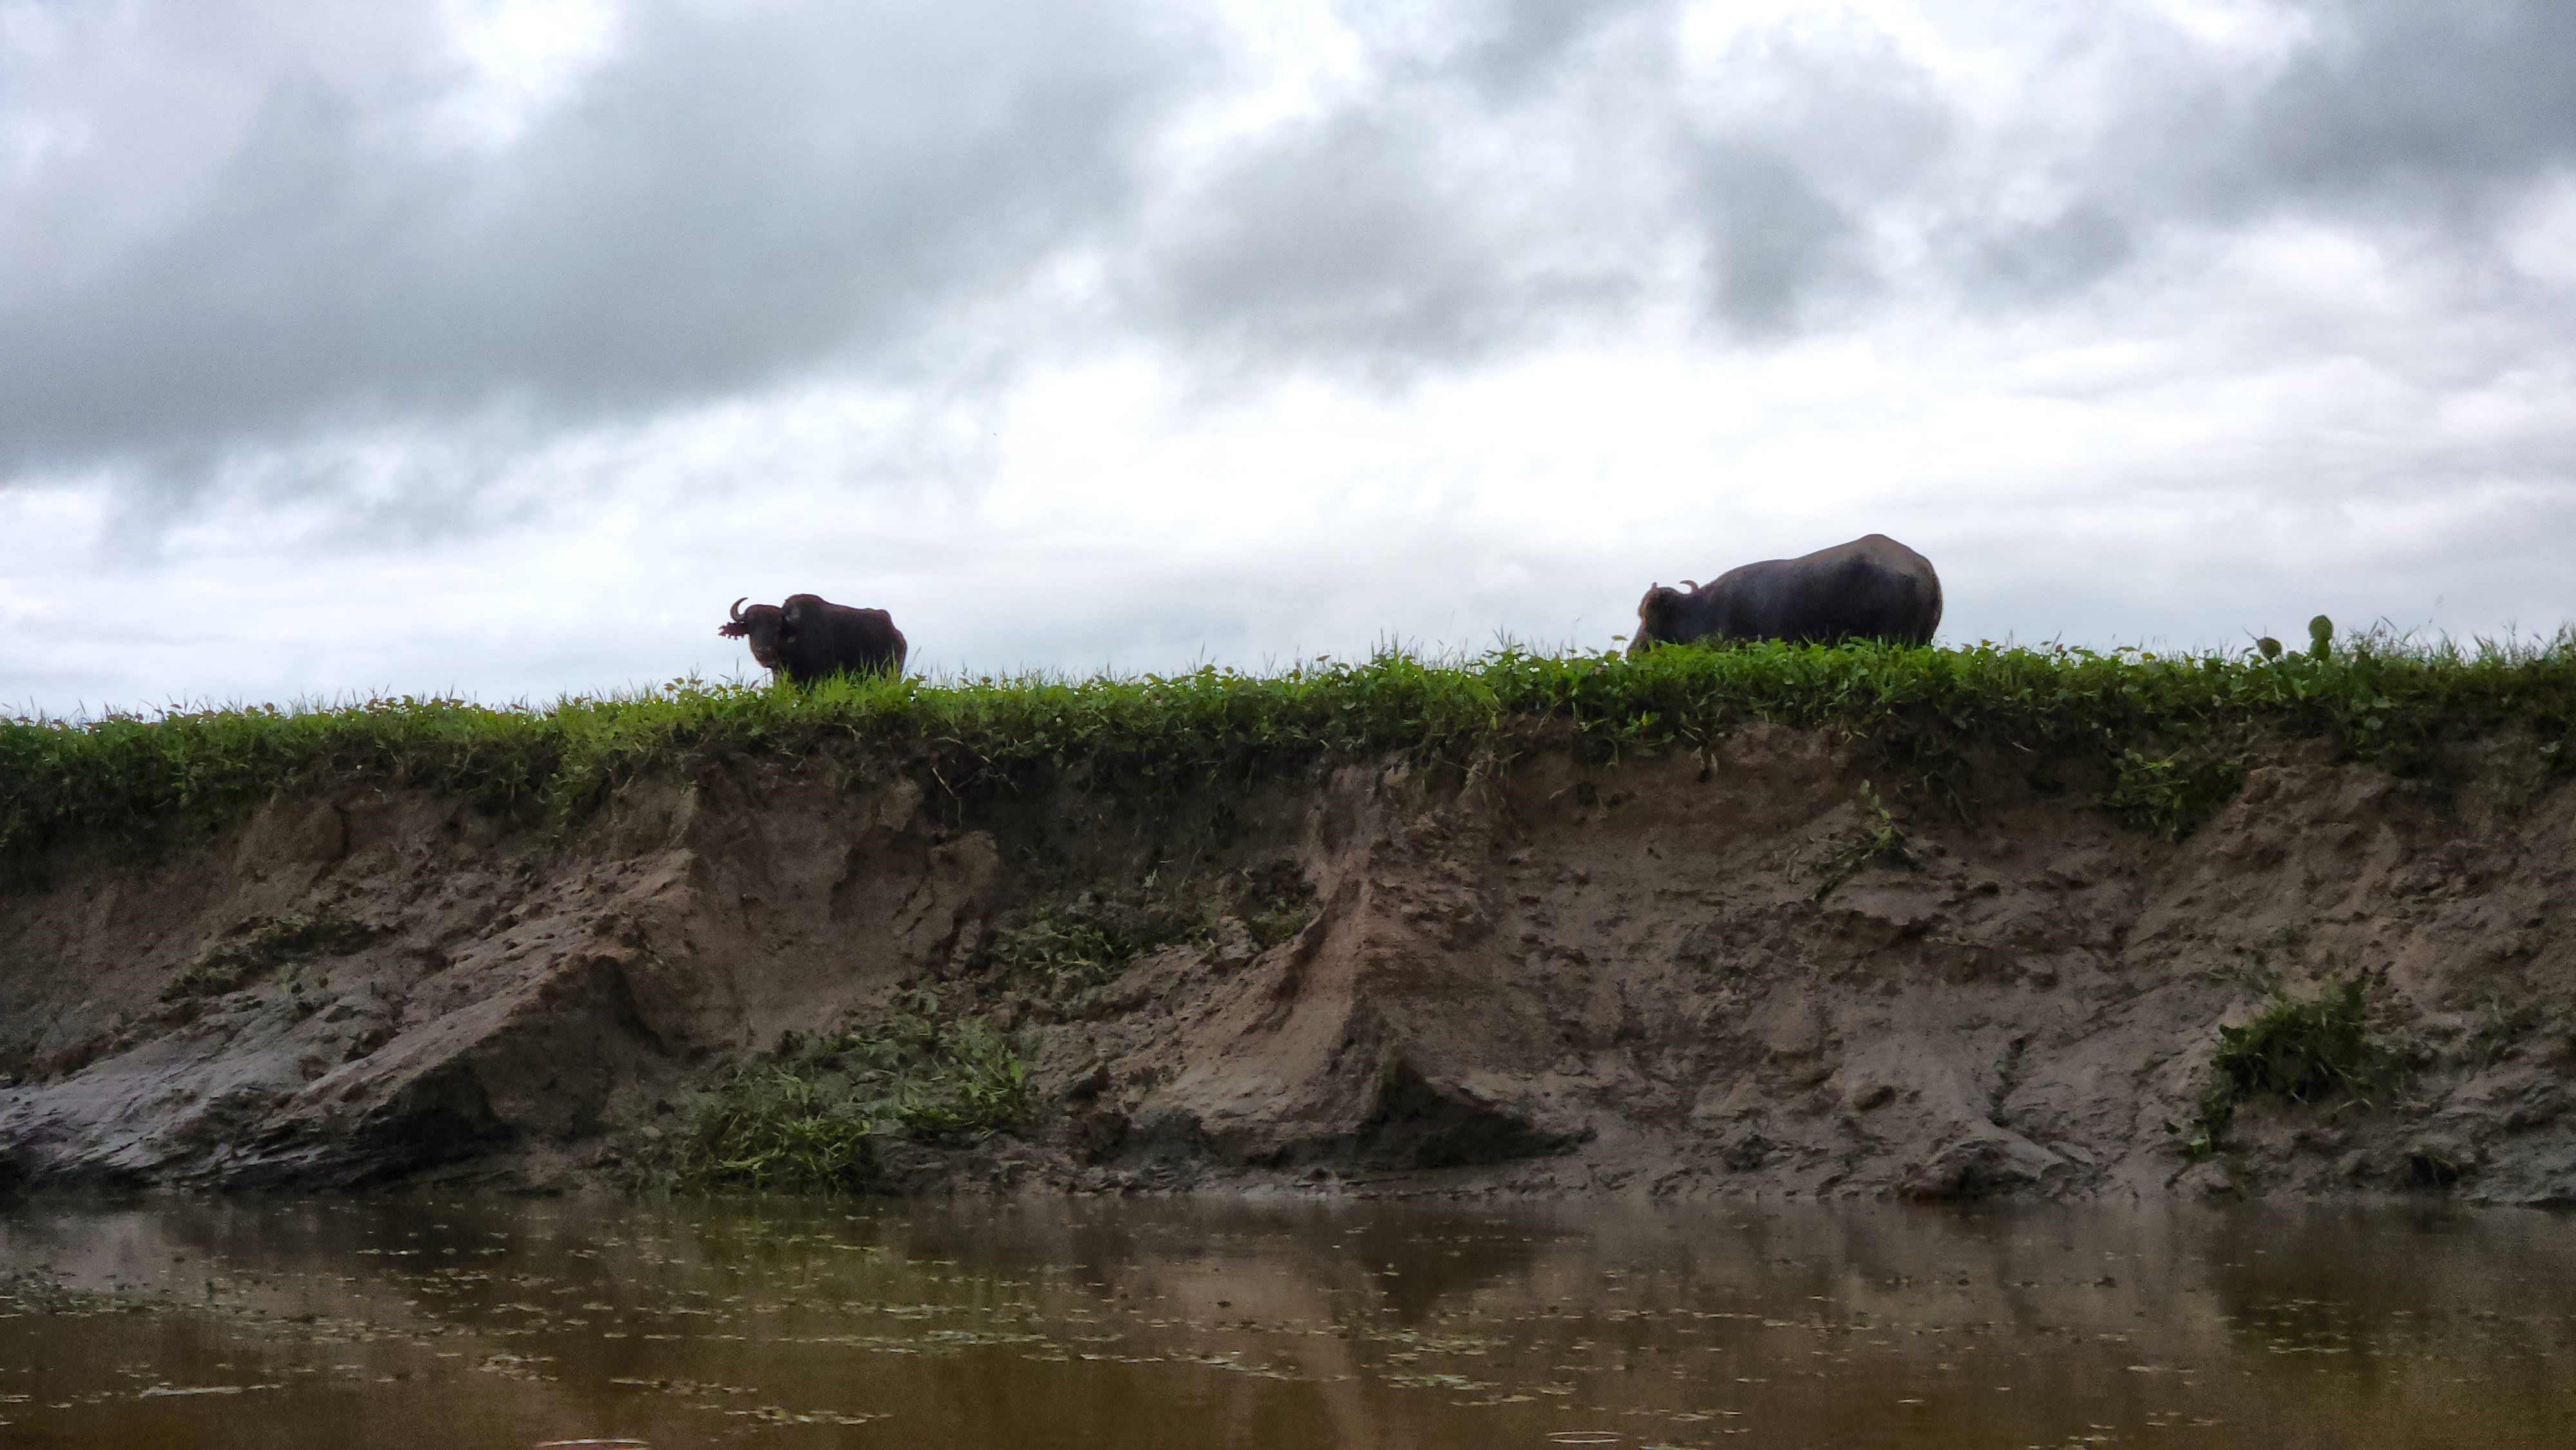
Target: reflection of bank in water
(1050, 1322)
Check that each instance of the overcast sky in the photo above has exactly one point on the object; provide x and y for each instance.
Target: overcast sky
(496, 347)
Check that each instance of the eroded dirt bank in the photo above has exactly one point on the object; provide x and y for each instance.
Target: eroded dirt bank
(1697, 974)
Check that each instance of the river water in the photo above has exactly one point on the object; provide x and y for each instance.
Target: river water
(1081, 1323)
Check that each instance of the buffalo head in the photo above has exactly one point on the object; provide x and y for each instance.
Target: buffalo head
(1655, 616)
(766, 627)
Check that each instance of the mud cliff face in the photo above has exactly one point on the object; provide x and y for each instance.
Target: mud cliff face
(1707, 974)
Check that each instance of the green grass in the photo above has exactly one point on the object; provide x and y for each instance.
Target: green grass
(2172, 795)
(776, 1129)
(1878, 841)
(1059, 947)
(1063, 947)
(1923, 710)
(2304, 1051)
(812, 1116)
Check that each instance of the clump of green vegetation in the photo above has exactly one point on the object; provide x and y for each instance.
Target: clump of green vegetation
(250, 950)
(1064, 946)
(774, 1127)
(812, 1117)
(1881, 839)
(1878, 841)
(1081, 943)
(2301, 1050)
(2304, 1051)
(1060, 946)
(966, 1084)
(2173, 794)
(140, 778)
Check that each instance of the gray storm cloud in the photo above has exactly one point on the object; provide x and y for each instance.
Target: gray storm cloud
(730, 195)
(333, 357)
(225, 225)
(2397, 102)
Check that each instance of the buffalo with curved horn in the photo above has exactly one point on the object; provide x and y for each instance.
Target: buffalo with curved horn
(809, 637)
(1870, 588)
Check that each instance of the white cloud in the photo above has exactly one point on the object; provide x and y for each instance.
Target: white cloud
(521, 57)
(2541, 236)
(500, 353)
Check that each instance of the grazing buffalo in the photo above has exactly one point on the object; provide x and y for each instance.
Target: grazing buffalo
(809, 637)
(1870, 588)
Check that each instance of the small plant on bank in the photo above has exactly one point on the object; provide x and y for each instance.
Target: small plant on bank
(2173, 795)
(2303, 1051)
(776, 1128)
(1878, 841)
(1881, 839)
(1062, 947)
(976, 1086)
(814, 1116)
(1066, 946)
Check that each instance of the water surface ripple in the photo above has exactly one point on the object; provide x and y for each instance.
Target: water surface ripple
(1188, 1323)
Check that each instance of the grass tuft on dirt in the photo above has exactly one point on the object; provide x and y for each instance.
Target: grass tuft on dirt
(2303, 1050)
(1065, 946)
(1057, 948)
(143, 777)
(2171, 796)
(814, 1117)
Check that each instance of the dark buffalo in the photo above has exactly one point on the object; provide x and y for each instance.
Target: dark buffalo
(1870, 588)
(809, 637)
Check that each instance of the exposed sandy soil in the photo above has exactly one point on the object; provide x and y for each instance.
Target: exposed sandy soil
(1663, 976)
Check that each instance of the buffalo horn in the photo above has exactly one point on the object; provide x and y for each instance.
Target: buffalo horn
(736, 614)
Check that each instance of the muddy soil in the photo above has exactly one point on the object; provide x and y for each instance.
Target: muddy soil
(1740, 972)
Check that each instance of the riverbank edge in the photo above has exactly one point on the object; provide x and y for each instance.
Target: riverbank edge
(1767, 964)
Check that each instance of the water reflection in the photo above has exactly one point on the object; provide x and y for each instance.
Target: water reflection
(1096, 1323)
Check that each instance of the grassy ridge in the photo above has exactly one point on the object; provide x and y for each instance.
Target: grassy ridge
(1921, 708)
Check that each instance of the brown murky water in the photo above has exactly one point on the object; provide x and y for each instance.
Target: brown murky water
(1088, 1323)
